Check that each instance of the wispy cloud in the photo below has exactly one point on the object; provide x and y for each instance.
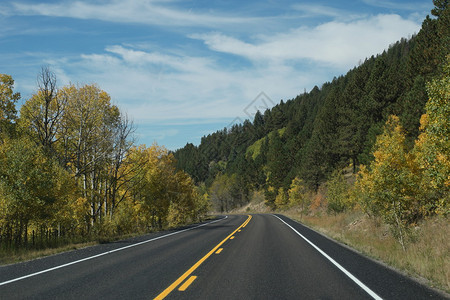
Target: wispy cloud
(160, 87)
(335, 43)
(127, 11)
(154, 85)
(316, 10)
(192, 67)
(408, 6)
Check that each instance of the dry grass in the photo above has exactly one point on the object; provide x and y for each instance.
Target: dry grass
(10, 256)
(19, 255)
(427, 257)
(428, 251)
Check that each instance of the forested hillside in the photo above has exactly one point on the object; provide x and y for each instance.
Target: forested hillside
(377, 138)
(301, 143)
(69, 170)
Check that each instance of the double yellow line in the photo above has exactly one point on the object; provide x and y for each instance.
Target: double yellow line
(177, 282)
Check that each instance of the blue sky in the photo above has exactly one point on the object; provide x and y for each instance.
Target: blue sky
(183, 69)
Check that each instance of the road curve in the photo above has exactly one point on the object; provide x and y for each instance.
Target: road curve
(238, 257)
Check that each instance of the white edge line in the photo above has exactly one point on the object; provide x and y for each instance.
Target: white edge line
(105, 253)
(350, 275)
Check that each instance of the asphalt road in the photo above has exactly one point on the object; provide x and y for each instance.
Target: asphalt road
(237, 257)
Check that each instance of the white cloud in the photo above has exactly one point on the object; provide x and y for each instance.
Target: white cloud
(155, 87)
(409, 6)
(173, 82)
(315, 10)
(335, 43)
(127, 11)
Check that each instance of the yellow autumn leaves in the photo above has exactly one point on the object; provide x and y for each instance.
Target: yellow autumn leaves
(405, 186)
(69, 169)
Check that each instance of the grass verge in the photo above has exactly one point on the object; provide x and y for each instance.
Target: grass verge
(19, 255)
(427, 257)
(16, 255)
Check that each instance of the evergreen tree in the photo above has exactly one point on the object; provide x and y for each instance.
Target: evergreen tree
(312, 171)
(276, 161)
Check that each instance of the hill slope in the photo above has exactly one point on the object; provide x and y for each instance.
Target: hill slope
(329, 128)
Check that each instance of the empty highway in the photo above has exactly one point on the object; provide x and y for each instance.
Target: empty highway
(234, 257)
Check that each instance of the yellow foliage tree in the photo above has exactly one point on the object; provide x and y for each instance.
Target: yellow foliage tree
(432, 148)
(183, 201)
(389, 186)
(298, 195)
(282, 199)
(158, 194)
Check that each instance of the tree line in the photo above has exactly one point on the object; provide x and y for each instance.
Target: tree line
(292, 149)
(69, 170)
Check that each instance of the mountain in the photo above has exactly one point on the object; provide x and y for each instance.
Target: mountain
(331, 127)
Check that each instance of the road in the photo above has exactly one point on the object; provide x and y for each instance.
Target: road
(235, 257)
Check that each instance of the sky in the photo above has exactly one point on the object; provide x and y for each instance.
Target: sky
(182, 69)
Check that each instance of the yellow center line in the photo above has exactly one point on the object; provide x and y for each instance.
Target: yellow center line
(188, 282)
(246, 222)
(177, 282)
(218, 251)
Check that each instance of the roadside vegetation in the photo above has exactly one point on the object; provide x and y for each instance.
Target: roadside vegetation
(365, 157)
(71, 173)
(11, 256)
(396, 208)
(386, 120)
(426, 258)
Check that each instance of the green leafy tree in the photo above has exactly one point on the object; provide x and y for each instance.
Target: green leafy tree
(221, 193)
(33, 188)
(203, 203)
(8, 99)
(337, 193)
